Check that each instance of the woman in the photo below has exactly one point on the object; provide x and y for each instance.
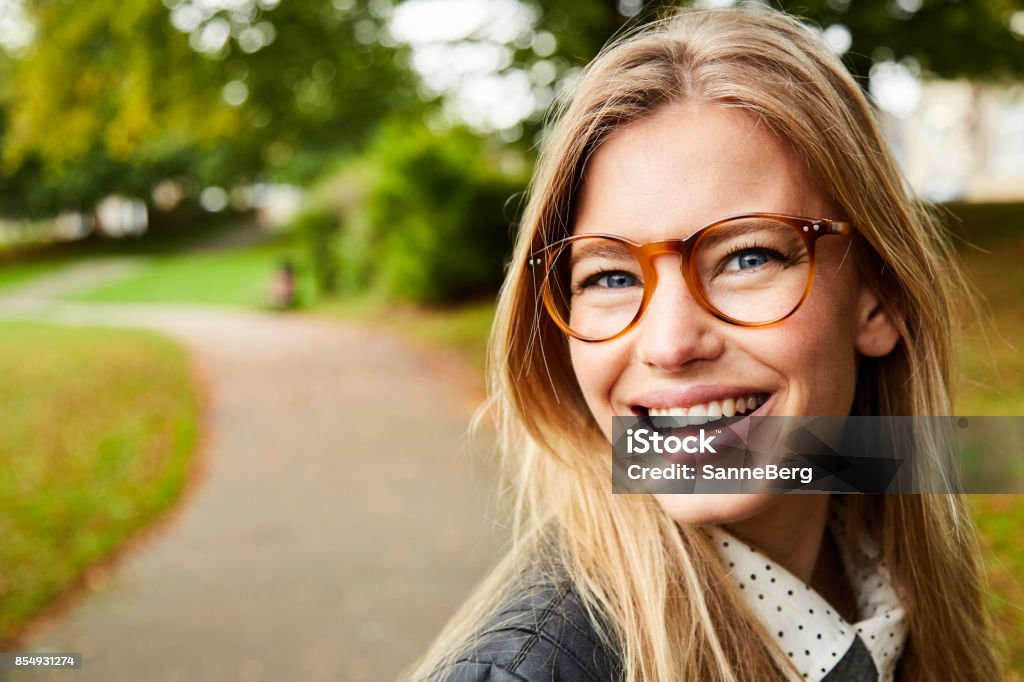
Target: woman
(668, 135)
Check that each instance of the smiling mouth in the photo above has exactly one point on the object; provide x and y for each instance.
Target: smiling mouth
(703, 413)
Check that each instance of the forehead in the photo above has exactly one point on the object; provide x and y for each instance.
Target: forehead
(667, 175)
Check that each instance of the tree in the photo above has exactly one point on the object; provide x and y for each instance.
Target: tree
(948, 38)
(114, 95)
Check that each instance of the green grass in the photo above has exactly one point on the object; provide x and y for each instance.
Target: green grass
(171, 234)
(992, 362)
(981, 223)
(96, 435)
(231, 277)
(1000, 519)
(992, 383)
(12, 275)
(173, 271)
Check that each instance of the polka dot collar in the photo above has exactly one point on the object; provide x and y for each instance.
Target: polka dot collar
(813, 635)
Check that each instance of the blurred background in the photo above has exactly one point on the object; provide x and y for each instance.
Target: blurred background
(248, 258)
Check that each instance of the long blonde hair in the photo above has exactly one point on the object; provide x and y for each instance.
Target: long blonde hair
(657, 591)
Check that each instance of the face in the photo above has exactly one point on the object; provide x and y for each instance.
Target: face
(663, 178)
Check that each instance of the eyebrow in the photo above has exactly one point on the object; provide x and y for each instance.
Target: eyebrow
(748, 226)
(598, 251)
(605, 250)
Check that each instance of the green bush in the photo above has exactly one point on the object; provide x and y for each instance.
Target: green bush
(317, 228)
(434, 224)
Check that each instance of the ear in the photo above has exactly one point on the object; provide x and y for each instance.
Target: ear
(878, 328)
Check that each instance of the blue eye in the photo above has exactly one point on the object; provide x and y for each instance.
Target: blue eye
(616, 280)
(751, 258)
(606, 281)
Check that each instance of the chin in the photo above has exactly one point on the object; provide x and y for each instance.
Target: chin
(703, 510)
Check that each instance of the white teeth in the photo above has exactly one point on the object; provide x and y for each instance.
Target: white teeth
(698, 411)
(728, 408)
(667, 411)
(710, 411)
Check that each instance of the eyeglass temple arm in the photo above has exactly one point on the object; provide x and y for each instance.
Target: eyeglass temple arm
(840, 227)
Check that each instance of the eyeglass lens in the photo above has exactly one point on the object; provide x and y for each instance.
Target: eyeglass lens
(753, 270)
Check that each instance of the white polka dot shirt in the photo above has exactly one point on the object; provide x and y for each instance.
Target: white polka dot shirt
(806, 627)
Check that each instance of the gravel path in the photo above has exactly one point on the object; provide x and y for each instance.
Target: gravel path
(337, 520)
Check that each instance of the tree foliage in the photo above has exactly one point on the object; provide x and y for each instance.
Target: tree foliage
(949, 38)
(114, 95)
(432, 215)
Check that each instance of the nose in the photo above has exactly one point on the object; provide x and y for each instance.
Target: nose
(676, 329)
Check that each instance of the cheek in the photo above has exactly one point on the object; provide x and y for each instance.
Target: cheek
(815, 350)
(597, 366)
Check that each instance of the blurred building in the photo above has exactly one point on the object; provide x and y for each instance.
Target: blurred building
(961, 141)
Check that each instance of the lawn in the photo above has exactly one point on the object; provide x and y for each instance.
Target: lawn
(1000, 519)
(176, 269)
(230, 277)
(13, 275)
(992, 383)
(992, 362)
(97, 432)
(171, 235)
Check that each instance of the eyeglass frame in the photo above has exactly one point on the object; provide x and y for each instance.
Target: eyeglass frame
(810, 229)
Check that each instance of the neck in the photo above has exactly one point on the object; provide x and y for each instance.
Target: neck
(790, 532)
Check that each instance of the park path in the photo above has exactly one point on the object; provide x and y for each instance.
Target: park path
(337, 520)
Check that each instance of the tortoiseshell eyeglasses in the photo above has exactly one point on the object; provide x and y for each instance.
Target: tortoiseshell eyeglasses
(752, 270)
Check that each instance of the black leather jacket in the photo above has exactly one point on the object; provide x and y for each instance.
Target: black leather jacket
(545, 635)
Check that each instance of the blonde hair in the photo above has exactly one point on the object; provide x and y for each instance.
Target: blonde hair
(657, 591)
